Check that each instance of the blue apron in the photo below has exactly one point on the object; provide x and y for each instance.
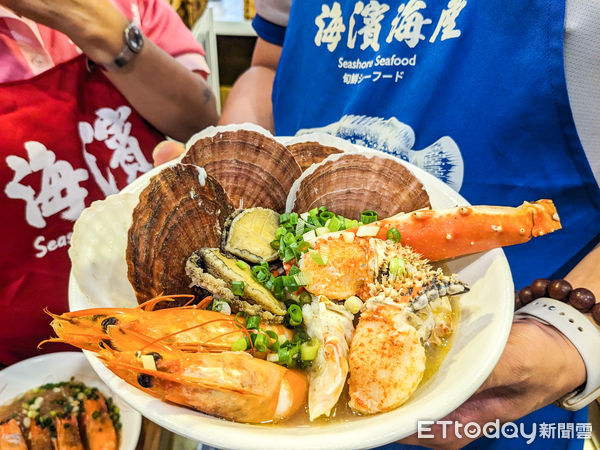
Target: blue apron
(472, 91)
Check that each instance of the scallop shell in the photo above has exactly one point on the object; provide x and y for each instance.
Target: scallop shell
(181, 210)
(311, 152)
(253, 168)
(349, 183)
(97, 251)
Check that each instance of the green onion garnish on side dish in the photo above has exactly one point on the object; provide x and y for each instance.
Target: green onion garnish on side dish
(393, 234)
(239, 346)
(237, 287)
(368, 216)
(295, 314)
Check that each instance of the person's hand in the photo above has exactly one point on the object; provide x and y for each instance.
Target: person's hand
(95, 26)
(538, 366)
(166, 151)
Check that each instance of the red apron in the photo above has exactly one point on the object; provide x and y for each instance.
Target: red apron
(67, 138)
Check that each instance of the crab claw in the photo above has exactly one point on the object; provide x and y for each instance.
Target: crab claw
(387, 360)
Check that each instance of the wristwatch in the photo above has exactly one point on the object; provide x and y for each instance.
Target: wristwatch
(134, 42)
(583, 335)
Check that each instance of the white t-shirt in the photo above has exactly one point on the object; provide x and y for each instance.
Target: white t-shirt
(582, 66)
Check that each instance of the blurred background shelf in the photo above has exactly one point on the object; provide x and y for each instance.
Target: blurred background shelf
(228, 38)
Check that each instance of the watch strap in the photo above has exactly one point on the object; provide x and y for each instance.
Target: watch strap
(583, 335)
(127, 53)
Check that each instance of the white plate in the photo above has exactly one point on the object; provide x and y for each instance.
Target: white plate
(485, 320)
(19, 378)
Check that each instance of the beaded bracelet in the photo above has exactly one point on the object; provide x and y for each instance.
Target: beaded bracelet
(581, 299)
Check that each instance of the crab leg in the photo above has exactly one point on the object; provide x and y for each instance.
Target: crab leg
(446, 233)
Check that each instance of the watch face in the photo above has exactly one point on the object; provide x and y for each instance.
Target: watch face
(134, 38)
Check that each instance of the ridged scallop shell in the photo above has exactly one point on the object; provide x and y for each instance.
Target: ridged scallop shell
(349, 183)
(253, 168)
(97, 251)
(181, 210)
(309, 153)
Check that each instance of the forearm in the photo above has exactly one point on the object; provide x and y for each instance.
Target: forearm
(173, 99)
(250, 99)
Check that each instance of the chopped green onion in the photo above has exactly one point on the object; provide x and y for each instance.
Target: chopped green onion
(295, 314)
(294, 270)
(300, 227)
(293, 218)
(353, 304)
(324, 216)
(309, 235)
(367, 230)
(397, 266)
(350, 223)
(288, 255)
(290, 284)
(281, 231)
(240, 345)
(242, 265)
(320, 231)
(317, 258)
(303, 246)
(284, 218)
(237, 287)
(300, 336)
(303, 278)
(393, 234)
(334, 224)
(260, 341)
(269, 283)
(260, 274)
(252, 322)
(289, 238)
(284, 356)
(304, 298)
(368, 216)
(309, 350)
(275, 244)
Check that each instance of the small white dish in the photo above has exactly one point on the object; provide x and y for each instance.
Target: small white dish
(19, 378)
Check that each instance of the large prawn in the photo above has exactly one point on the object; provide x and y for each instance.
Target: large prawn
(406, 300)
(181, 355)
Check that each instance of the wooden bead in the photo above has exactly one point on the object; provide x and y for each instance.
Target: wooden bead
(596, 313)
(539, 288)
(525, 296)
(559, 290)
(582, 299)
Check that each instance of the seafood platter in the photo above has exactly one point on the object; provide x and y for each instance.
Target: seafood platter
(58, 401)
(297, 293)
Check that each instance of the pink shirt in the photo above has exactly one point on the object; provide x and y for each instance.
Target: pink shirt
(28, 49)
